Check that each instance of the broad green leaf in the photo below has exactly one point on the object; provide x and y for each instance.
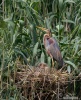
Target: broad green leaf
(21, 21)
(21, 1)
(21, 53)
(51, 17)
(15, 37)
(7, 19)
(74, 30)
(60, 3)
(42, 57)
(60, 27)
(68, 21)
(24, 1)
(79, 53)
(49, 61)
(71, 63)
(69, 69)
(2, 24)
(76, 44)
(47, 21)
(69, 1)
(34, 1)
(33, 33)
(35, 49)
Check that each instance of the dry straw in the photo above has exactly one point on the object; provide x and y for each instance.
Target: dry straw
(43, 82)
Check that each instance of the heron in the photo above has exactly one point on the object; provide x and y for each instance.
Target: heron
(52, 47)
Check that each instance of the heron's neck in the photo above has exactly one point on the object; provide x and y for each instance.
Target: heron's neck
(46, 43)
(51, 41)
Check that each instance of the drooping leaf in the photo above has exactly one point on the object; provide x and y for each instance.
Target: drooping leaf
(35, 49)
(69, 69)
(49, 61)
(21, 53)
(60, 27)
(42, 57)
(71, 63)
(68, 21)
(21, 21)
(60, 4)
(69, 1)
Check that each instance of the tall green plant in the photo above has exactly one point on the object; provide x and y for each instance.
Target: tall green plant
(20, 39)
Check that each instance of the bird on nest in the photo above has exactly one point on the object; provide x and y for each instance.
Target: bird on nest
(52, 47)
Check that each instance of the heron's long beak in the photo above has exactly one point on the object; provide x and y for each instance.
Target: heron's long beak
(44, 29)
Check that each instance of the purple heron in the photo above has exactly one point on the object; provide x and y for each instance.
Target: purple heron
(52, 47)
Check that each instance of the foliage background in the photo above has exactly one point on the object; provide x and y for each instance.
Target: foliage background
(21, 40)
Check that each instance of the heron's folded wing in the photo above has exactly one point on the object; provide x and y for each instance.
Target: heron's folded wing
(55, 52)
(53, 41)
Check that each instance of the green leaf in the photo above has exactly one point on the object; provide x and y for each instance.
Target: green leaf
(68, 21)
(21, 1)
(71, 63)
(49, 61)
(34, 1)
(7, 19)
(69, 1)
(61, 3)
(21, 53)
(60, 27)
(2, 24)
(33, 33)
(42, 57)
(69, 69)
(79, 53)
(76, 45)
(73, 33)
(21, 22)
(35, 49)
(47, 21)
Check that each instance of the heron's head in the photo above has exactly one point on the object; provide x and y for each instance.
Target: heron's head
(46, 36)
(48, 33)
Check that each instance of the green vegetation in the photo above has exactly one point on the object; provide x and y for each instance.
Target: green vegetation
(20, 40)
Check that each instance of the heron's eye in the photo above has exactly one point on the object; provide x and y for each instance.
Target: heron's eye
(47, 38)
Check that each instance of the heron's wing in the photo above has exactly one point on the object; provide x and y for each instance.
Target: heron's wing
(54, 42)
(55, 52)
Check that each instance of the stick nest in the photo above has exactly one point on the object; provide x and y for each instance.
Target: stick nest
(43, 82)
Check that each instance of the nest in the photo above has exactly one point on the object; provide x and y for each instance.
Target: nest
(43, 82)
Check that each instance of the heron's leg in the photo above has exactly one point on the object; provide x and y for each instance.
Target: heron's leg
(51, 58)
(52, 63)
